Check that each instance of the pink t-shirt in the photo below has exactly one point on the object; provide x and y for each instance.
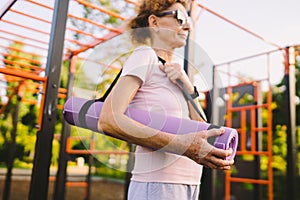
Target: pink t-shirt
(157, 93)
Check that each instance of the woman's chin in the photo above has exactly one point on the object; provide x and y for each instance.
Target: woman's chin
(180, 43)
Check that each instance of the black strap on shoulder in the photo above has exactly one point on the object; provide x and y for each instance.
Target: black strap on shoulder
(110, 88)
(186, 95)
(85, 107)
(161, 60)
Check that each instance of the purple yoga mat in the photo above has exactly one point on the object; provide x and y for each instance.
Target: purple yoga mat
(173, 125)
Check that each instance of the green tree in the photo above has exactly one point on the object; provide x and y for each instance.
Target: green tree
(17, 89)
(279, 129)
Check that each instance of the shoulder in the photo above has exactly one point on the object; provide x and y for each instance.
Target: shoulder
(141, 56)
(144, 51)
(140, 63)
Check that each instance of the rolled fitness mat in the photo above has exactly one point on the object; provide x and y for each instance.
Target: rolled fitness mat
(85, 113)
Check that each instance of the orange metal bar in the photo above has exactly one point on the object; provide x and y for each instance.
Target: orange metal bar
(227, 185)
(52, 178)
(93, 144)
(60, 107)
(107, 37)
(82, 32)
(253, 132)
(132, 2)
(22, 74)
(9, 78)
(95, 23)
(77, 42)
(23, 58)
(91, 150)
(49, 22)
(237, 25)
(261, 129)
(242, 78)
(250, 57)
(257, 153)
(70, 183)
(31, 67)
(249, 180)
(97, 62)
(73, 65)
(20, 50)
(18, 41)
(26, 27)
(243, 130)
(249, 107)
(62, 96)
(62, 90)
(228, 124)
(71, 29)
(24, 37)
(270, 144)
(39, 4)
(83, 19)
(108, 12)
(35, 102)
(87, 151)
(76, 184)
(229, 108)
(30, 16)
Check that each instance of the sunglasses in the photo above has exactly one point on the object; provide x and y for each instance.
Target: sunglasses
(181, 18)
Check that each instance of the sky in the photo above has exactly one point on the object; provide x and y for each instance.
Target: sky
(275, 20)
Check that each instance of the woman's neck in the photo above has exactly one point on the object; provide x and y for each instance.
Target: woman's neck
(165, 54)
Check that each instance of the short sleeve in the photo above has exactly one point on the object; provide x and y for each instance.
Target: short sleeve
(139, 63)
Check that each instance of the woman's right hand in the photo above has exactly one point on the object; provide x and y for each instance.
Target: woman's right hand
(204, 153)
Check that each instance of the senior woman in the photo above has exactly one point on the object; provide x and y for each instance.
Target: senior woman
(167, 166)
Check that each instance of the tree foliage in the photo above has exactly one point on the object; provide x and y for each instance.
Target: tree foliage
(19, 89)
(279, 127)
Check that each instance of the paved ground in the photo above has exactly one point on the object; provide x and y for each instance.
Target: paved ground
(101, 189)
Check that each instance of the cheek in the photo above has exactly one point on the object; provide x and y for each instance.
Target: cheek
(169, 34)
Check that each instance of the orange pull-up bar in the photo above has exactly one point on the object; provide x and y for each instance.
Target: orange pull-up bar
(22, 74)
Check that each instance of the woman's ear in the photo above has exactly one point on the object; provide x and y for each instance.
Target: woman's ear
(153, 21)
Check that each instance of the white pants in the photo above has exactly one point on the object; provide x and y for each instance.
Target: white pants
(162, 191)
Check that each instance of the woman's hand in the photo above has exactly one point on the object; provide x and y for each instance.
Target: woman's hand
(175, 72)
(204, 153)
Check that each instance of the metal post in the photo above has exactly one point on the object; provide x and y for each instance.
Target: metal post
(289, 94)
(90, 164)
(208, 190)
(12, 148)
(43, 147)
(129, 167)
(59, 191)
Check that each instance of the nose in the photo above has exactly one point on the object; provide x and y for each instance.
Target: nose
(187, 26)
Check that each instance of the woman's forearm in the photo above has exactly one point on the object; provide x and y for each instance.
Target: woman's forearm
(122, 127)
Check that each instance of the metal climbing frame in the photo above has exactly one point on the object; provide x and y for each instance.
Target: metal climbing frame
(34, 33)
(26, 33)
(250, 127)
(256, 131)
